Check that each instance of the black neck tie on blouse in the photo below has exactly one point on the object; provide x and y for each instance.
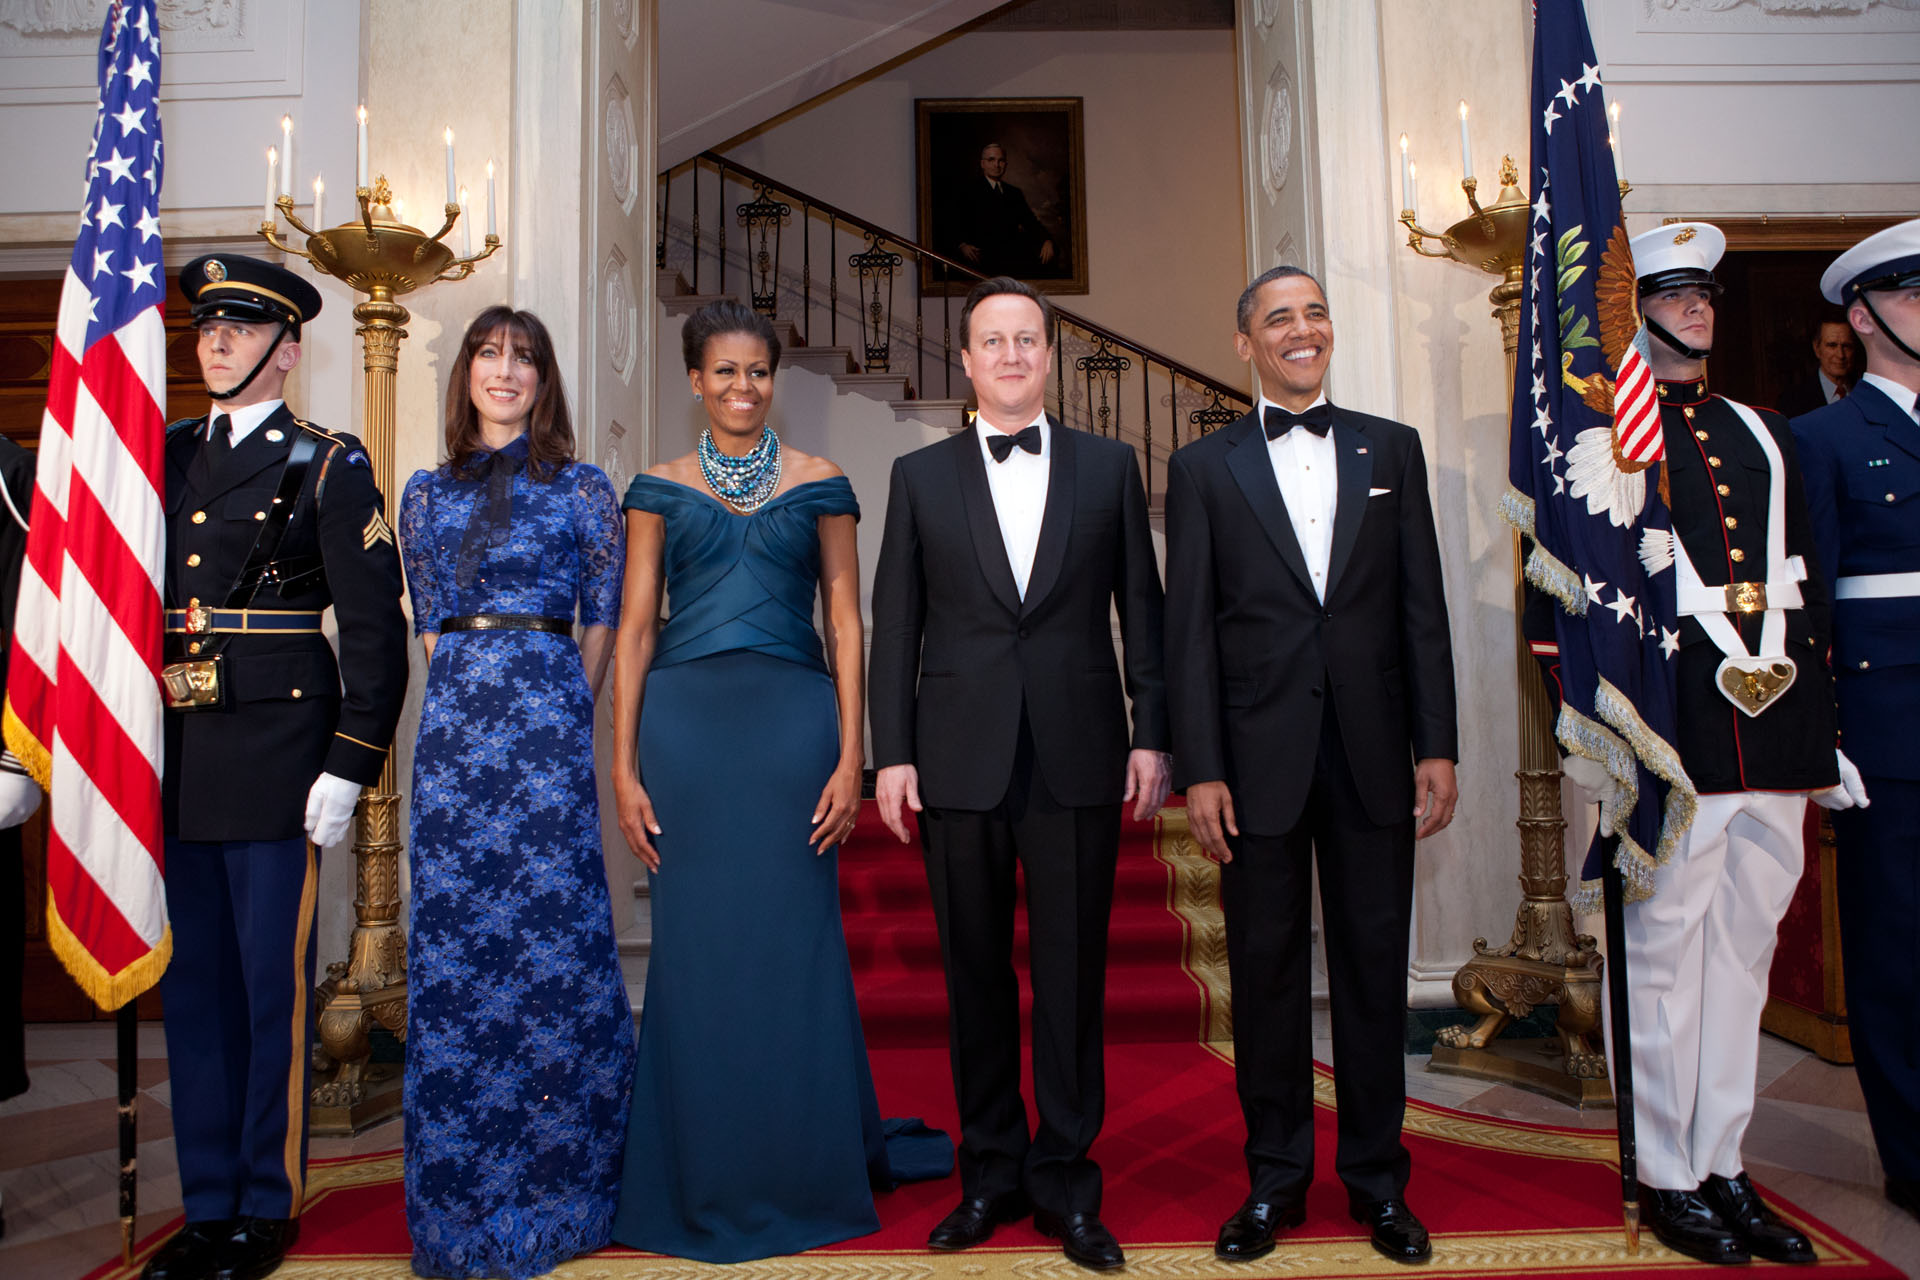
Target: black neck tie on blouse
(492, 516)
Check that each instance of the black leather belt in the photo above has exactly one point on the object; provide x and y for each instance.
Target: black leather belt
(507, 622)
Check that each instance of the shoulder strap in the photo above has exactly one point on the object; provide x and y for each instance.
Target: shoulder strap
(293, 476)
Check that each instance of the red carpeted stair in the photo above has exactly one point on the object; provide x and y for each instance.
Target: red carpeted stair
(895, 948)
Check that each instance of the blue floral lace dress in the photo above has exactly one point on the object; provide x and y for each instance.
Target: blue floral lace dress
(520, 1039)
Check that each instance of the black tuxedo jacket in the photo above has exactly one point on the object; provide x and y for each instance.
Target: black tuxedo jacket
(242, 772)
(1253, 657)
(957, 653)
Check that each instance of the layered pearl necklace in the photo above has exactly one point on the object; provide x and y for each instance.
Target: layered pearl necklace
(748, 481)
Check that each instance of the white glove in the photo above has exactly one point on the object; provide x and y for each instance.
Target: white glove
(1595, 783)
(1848, 793)
(330, 809)
(19, 797)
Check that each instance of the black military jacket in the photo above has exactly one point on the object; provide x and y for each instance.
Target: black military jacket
(242, 772)
(1718, 478)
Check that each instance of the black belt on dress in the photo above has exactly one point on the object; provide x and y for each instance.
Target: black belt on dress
(507, 622)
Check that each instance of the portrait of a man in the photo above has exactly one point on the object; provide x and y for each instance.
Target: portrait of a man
(1002, 187)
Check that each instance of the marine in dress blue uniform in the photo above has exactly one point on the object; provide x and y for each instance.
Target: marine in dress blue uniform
(1861, 456)
(1756, 736)
(270, 521)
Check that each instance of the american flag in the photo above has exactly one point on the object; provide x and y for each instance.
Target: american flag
(1586, 465)
(83, 706)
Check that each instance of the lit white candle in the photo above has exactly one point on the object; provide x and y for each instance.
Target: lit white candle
(319, 200)
(466, 227)
(1413, 187)
(1613, 137)
(1406, 176)
(361, 167)
(273, 186)
(1466, 147)
(286, 155)
(453, 192)
(492, 227)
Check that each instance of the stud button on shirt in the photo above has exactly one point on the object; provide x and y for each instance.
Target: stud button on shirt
(1307, 469)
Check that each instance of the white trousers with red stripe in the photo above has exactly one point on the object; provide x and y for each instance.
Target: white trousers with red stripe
(1698, 954)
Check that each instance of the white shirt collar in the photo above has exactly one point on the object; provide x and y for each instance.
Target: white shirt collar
(245, 418)
(1902, 396)
(1260, 410)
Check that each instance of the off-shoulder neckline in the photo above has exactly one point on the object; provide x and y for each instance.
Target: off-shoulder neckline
(743, 515)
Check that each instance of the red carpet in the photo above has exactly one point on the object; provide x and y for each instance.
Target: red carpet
(1501, 1198)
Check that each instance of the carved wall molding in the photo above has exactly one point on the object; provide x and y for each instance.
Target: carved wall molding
(1276, 131)
(212, 48)
(620, 314)
(622, 145)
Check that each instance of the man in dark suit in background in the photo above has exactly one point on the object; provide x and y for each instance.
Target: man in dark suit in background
(1309, 667)
(996, 230)
(998, 717)
(1861, 460)
(1833, 352)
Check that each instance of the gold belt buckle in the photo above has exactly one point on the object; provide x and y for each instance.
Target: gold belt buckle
(1746, 597)
(199, 619)
(193, 686)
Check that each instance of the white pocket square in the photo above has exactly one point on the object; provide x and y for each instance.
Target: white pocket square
(1374, 493)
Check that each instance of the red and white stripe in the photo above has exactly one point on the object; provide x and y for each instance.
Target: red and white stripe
(1636, 407)
(83, 691)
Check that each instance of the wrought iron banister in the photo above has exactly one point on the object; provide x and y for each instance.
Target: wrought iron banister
(1103, 359)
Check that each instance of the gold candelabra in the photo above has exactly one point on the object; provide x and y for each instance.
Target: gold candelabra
(1545, 962)
(382, 257)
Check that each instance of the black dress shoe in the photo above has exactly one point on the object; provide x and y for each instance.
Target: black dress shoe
(1250, 1232)
(1083, 1239)
(188, 1255)
(1905, 1193)
(1685, 1223)
(1765, 1236)
(1394, 1230)
(974, 1220)
(255, 1249)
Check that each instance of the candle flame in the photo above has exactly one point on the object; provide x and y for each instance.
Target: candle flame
(1403, 144)
(318, 186)
(449, 135)
(489, 168)
(1463, 108)
(286, 124)
(463, 197)
(273, 155)
(362, 113)
(1614, 111)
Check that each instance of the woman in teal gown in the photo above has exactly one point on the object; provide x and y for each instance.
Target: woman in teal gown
(754, 1129)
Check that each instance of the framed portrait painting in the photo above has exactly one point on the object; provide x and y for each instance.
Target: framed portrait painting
(1003, 189)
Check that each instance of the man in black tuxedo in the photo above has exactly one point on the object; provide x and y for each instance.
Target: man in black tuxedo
(998, 718)
(997, 230)
(1309, 667)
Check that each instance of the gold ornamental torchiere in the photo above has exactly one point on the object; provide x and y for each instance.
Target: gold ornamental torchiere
(382, 257)
(1545, 962)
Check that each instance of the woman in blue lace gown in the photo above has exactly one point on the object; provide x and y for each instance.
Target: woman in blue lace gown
(737, 773)
(520, 1038)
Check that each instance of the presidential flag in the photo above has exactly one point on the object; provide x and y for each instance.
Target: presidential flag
(83, 708)
(1586, 466)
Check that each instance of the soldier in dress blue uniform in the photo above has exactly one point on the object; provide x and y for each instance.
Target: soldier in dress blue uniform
(1861, 456)
(270, 520)
(1756, 734)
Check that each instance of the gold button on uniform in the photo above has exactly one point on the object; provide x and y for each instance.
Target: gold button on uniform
(1699, 435)
(1689, 412)
(1723, 490)
(1733, 522)
(296, 693)
(259, 515)
(193, 646)
(193, 561)
(1712, 461)
(1889, 497)
(1863, 664)
(199, 517)
(1737, 555)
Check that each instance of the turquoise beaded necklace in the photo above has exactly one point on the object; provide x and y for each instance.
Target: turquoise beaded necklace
(748, 481)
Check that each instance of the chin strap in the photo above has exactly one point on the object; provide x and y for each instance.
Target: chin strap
(1866, 299)
(1659, 331)
(233, 391)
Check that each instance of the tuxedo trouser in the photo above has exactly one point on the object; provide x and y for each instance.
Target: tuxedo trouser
(239, 1022)
(1878, 882)
(1366, 900)
(1698, 954)
(1068, 856)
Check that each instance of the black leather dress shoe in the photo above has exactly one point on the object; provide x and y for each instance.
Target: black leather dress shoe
(1394, 1230)
(1905, 1193)
(255, 1249)
(1250, 1232)
(1082, 1238)
(188, 1255)
(974, 1220)
(1765, 1236)
(1685, 1223)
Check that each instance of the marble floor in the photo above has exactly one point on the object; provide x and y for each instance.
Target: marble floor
(58, 1167)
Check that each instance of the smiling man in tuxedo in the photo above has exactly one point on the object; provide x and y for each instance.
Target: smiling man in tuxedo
(998, 718)
(1310, 686)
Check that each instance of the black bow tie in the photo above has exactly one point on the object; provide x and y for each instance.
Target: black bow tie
(1002, 446)
(1278, 421)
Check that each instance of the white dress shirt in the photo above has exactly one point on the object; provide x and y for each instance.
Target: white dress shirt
(1829, 389)
(1902, 396)
(1019, 488)
(244, 419)
(1308, 469)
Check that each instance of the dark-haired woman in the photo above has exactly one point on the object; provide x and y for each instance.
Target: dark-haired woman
(520, 1038)
(737, 754)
